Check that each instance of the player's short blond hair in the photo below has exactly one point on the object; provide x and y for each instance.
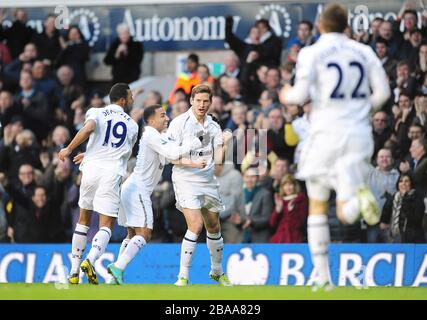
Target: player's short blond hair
(202, 88)
(334, 18)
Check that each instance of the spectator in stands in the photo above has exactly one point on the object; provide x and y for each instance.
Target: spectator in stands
(258, 209)
(290, 212)
(188, 79)
(304, 35)
(404, 116)
(403, 212)
(271, 44)
(204, 75)
(268, 100)
(375, 30)
(18, 35)
(60, 138)
(415, 131)
(280, 167)
(386, 32)
(5, 57)
(125, 56)
(232, 66)
(74, 53)
(251, 45)
(230, 186)
(238, 117)
(421, 66)
(382, 181)
(404, 81)
(417, 165)
(410, 21)
(217, 109)
(23, 62)
(420, 104)
(179, 108)
(273, 79)
(382, 51)
(381, 130)
(280, 137)
(34, 107)
(253, 79)
(7, 108)
(47, 42)
(233, 91)
(287, 73)
(4, 199)
(22, 149)
(22, 221)
(47, 85)
(409, 48)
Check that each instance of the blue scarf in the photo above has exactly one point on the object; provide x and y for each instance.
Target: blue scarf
(249, 195)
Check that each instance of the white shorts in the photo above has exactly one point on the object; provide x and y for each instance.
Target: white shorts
(135, 209)
(100, 191)
(333, 161)
(190, 195)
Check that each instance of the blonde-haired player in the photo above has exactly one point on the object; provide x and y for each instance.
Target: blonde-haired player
(345, 80)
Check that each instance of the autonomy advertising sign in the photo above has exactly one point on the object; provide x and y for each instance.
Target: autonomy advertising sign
(188, 26)
(255, 264)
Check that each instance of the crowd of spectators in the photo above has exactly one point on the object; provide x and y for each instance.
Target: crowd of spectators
(44, 94)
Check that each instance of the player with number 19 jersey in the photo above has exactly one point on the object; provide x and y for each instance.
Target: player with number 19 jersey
(110, 145)
(106, 157)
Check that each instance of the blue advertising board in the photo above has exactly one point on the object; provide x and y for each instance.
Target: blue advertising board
(250, 264)
(191, 26)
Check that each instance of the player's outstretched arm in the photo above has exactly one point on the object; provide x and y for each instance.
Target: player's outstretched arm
(379, 83)
(305, 73)
(79, 138)
(188, 163)
(171, 150)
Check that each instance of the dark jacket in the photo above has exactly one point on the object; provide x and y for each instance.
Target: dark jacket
(47, 47)
(240, 47)
(271, 51)
(23, 220)
(410, 217)
(380, 139)
(289, 222)
(17, 36)
(276, 142)
(419, 174)
(36, 116)
(260, 212)
(126, 68)
(75, 55)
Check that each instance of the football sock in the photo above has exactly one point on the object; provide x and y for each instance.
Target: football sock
(99, 244)
(123, 246)
(188, 248)
(132, 249)
(215, 245)
(78, 246)
(318, 241)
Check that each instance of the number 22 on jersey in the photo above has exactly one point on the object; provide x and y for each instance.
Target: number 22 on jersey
(356, 94)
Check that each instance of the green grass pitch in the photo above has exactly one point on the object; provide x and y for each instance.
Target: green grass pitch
(41, 291)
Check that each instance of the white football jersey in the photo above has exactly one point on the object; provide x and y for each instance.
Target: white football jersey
(183, 128)
(344, 80)
(110, 145)
(155, 150)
